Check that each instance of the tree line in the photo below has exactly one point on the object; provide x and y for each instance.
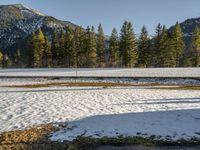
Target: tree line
(81, 48)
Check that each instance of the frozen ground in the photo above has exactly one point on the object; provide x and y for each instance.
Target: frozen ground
(98, 112)
(26, 81)
(107, 72)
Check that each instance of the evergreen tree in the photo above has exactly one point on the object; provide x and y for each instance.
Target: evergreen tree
(128, 50)
(69, 46)
(79, 36)
(178, 42)
(156, 50)
(40, 43)
(1, 58)
(61, 49)
(47, 56)
(143, 48)
(114, 48)
(55, 49)
(73, 54)
(33, 58)
(90, 48)
(100, 47)
(196, 47)
(36, 48)
(6, 61)
(167, 51)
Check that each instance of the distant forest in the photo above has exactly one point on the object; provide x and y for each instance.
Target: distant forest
(85, 48)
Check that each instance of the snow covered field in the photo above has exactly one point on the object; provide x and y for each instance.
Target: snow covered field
(107, 72)
(98, 112)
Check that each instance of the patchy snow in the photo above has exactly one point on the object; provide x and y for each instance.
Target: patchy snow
(98, 112)
(105, 72)
(141, 81)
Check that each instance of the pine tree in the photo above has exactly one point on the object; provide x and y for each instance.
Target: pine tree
(61, 49)
(47, 56)
(196, 46)
(6, 61)
(143, 48)
(1, 58)
(73, 53)
(156, 50)
(114, 48)
(90, 48)
(79, 36)
(33, 58)
(178, 42)
(167, 51)
(55, 49)
(69, 46)
(128, 50)
(39, 42)
(100, 47)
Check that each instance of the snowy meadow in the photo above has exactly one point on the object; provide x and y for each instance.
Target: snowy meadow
(103, 111)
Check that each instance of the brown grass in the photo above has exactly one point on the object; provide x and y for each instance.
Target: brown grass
(78, 84)
(90, 84)
(34, 138)
(107, 84)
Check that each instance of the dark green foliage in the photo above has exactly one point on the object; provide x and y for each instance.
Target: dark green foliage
(90, 48)
(177, 40)
(156, 49)
(114, 49)
(196, 47)
(47, 56)
(128, 51)
(143, 48)
(55, 49)
(79, 37)
(69, 50)
(36, 48)
(76, 47)
(167, 56)
(100, 47)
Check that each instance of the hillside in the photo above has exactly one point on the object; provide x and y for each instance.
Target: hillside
(18, 21)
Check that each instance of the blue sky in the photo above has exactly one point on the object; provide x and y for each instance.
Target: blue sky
(112, 13)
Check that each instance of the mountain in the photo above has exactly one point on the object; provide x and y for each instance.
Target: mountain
(188, 27)
(17, 22)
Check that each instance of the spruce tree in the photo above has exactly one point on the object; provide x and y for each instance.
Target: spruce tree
(178, 42)
(79, 36)
(128, 51)
(33, 57)
(196, 46)
(69, 46)
(167, 52)
(55, 49)
(156, 50)
(90, 48)
(143, 48)
(114, 48)
(39, 42)
(61, 49)
(100, 47)
(47, 56)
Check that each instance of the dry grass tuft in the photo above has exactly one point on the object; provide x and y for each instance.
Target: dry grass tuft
(33, 138)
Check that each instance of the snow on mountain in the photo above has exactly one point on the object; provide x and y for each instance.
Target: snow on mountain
(19, 21)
